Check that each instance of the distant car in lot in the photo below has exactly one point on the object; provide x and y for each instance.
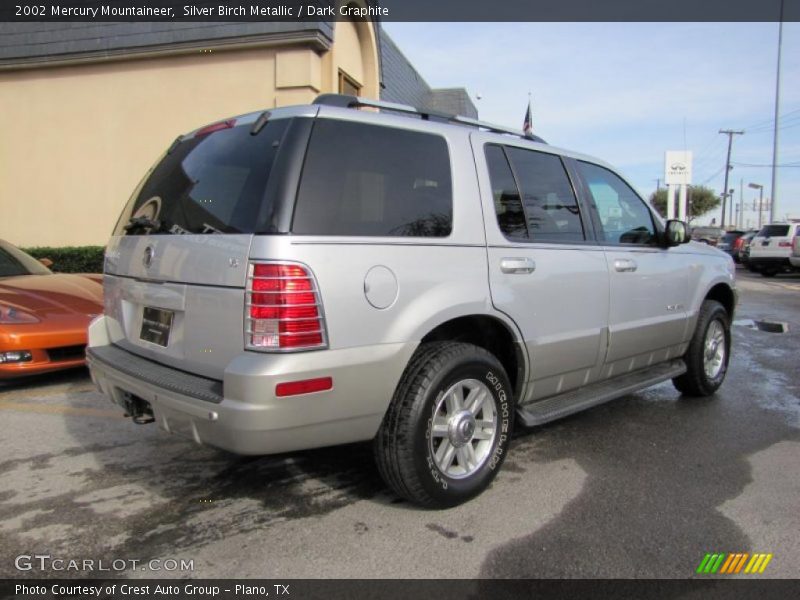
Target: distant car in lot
(740, 245)
(771, 248)
(708, 235)
(43, 315)
(794, 259)
(728, 240)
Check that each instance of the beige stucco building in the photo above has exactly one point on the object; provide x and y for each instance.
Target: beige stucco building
(87, 108)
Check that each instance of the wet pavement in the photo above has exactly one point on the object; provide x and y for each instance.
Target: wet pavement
(642, 486)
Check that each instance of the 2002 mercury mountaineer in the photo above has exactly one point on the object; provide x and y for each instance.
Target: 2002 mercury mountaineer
(318, 275)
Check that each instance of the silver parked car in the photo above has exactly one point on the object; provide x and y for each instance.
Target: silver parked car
(320, 275)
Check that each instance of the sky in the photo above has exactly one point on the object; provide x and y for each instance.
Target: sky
(627, 92)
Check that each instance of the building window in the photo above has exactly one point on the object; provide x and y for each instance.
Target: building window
(348, 85)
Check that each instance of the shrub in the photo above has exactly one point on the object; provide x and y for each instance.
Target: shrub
(71, 259)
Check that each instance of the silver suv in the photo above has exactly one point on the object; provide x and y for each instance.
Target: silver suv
(320, 275)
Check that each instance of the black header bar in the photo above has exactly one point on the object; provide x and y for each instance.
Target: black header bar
(399, 10)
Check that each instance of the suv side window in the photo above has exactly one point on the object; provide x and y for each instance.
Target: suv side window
(369, 180)
(548, 200)
(623, 214)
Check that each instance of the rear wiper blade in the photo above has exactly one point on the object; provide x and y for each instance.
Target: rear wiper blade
(143, 222)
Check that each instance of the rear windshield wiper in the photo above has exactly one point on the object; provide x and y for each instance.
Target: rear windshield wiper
(144, 223)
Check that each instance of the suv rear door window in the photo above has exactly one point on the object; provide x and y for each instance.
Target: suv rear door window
(211, 183)
(623, 214)
(507, 201)
(368, 180)
(550, 206)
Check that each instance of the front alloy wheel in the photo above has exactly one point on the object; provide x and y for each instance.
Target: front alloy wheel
(709, 352)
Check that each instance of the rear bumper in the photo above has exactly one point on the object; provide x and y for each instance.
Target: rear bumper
(769, 262)
(241, 414)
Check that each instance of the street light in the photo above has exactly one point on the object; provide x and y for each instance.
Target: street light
(760, 189)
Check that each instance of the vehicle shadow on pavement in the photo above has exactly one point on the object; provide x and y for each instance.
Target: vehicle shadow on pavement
(136, 491)
(659, 467)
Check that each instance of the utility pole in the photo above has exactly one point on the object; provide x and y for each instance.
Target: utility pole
(774, 199)
(730, 133)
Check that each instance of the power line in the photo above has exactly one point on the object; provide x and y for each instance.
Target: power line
(769, 122)
(789, 165)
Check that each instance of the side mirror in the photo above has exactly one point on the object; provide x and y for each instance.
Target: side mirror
(46, 262)
(676, 233)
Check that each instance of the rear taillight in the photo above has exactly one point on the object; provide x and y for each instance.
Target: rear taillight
(283, 309)
(785, 244)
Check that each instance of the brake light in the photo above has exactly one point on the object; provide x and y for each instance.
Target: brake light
(283, 309)
(785, 244)
(215, 127)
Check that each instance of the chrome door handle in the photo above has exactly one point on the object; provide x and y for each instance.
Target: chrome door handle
(625, 265)
(517, 266)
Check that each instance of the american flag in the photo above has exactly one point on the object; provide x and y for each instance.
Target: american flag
(527, 124)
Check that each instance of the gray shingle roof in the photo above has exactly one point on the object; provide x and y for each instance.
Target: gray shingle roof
(31, 43)
(404, 85)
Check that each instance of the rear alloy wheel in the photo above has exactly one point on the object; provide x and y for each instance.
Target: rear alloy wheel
(447, 430)
(709, 352)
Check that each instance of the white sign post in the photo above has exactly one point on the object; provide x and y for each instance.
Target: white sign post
(677, 172)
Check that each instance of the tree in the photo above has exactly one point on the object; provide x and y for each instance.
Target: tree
(701, 201)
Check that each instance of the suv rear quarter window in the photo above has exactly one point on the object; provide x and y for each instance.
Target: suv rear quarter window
(774, 231)
(370, 180)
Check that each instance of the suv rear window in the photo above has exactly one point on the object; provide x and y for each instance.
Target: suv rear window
(368, 180)
(213, 183)
(774, 231)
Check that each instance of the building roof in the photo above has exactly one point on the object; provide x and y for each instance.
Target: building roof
(403, 84)
(33, 44)
(24, 45)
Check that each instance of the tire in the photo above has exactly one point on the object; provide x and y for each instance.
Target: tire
(425, 415)
(713, 326)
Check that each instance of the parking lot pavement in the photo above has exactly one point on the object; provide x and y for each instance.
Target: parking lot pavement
(643, 486)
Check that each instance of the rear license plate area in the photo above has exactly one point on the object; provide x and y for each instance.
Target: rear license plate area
(156, 325)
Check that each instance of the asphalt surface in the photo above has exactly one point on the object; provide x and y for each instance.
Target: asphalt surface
(640, 487)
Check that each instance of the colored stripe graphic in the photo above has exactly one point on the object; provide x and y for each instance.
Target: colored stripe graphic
(741, 562)
(765, 563)
(717, 564)
(731, 560)
(731, 563)
(703, 563)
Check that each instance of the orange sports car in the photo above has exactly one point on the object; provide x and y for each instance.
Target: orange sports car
(43, 315)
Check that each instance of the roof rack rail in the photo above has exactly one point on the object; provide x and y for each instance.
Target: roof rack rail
(346, 101)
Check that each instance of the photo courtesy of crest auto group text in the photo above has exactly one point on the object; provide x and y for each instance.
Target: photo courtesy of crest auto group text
(349, 297)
